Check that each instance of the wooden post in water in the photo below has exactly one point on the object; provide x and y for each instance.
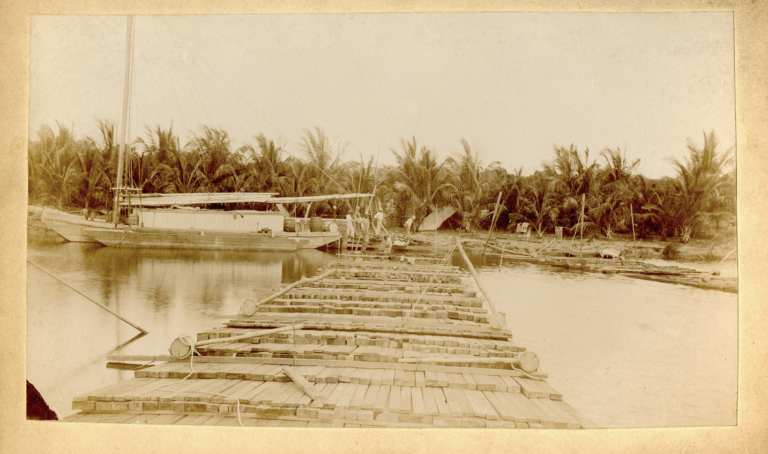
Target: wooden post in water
(493, 222)
(434, 208)
(632, 216)
(86, 296)
(581, 238)
(497, 320)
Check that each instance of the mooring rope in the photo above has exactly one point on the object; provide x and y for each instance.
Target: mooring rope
(525, 373)
(121, 239)
(187, 340)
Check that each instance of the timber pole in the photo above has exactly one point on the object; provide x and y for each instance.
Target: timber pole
(474, 275)
(249, 307)
(581, 238)
(632, 216)
(84, 295)
(493, 222)
(124, 125)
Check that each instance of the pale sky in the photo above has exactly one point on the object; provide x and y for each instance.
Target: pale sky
(512, 84)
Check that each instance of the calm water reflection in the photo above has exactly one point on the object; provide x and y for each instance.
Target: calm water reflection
(628, 353)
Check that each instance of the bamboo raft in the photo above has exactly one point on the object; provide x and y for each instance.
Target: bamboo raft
(376, 341)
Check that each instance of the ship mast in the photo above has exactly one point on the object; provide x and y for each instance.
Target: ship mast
(124, 124)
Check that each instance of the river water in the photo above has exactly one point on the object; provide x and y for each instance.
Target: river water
(625, 352)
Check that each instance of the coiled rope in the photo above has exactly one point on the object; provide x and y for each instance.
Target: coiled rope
(188, 340)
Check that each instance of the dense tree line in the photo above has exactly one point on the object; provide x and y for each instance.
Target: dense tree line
(71, 173)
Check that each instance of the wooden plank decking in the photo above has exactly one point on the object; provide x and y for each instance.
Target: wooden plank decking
(379, 347)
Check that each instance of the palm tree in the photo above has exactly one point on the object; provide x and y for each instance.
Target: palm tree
(325, 164)
(298, 180)
(646, 203)
(183, 174)
(473, 187)
(701, 188)
(264, 165)
(160, 147)
(219, 167)
(539, 204)
(91, 183)
(363, 178)
(419, 180)
(569, 178)
(513, 189)
(52, 167)
(608, 205)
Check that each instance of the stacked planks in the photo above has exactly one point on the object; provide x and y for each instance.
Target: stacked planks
(373, 351)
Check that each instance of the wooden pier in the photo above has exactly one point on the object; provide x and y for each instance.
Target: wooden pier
(381, 341)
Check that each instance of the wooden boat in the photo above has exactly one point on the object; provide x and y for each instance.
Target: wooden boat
(185, 228)
(70, 226)
(198, 239)
(376, 341)
(218, 229)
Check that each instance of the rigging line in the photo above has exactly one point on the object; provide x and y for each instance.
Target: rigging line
(258, 112)
(175, 94)
(131, 101)
(188, 72)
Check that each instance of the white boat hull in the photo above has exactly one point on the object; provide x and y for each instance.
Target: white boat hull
(70, 226)
(155, 238)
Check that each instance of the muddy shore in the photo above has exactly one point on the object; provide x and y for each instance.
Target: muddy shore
(696, 250)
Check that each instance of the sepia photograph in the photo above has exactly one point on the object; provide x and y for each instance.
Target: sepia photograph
(470, 220)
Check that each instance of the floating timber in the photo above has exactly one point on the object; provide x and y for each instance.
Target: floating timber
(375, 341)
(631, 268)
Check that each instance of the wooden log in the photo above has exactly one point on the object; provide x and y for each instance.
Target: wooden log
(181, 349)
(86, 296)
(302, 383)
(585, 423)
(249, 307)
(493, 222)
(397, 367)
(497, 319)
(527, 362)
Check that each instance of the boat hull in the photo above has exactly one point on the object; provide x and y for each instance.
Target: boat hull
(70, 226)
(199, 239)
(312, 240)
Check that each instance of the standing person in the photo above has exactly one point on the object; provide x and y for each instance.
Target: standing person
(408, 225)
(350, 227)
(378, 223)
(364, 232)
(388, 244)
(356, 219)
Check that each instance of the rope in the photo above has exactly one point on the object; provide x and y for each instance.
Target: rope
(527, 375)
(121, 239)
(141, 366)
(187, 340)
(424, 291)
(200, 98)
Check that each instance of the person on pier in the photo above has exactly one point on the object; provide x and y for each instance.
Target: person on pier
(378, 224)
(364, 232)
(408, 225)
(350, 227)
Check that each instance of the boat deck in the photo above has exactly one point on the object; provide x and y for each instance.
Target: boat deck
(382, 342)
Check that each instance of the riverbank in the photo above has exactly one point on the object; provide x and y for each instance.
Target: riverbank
(570, 319)
(39, 233)
(696, 250)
